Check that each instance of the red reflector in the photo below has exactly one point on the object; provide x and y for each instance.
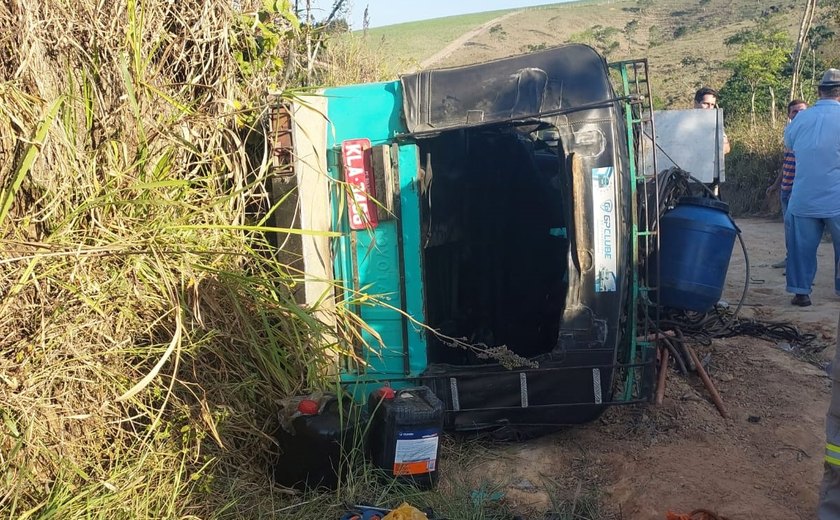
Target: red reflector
(308, 407)
(358, 174)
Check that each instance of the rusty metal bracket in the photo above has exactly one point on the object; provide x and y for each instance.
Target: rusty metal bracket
(280, 139)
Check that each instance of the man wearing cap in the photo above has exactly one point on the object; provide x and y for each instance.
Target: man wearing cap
(814, 137)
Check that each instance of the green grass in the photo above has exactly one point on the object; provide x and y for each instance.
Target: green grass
(149, 333)
(468, 490)
(462, 492)
(412, 42)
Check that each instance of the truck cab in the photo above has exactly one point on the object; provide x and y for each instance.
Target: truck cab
(481, 225)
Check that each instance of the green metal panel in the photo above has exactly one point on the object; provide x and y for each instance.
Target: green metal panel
(370, 110)
(369, 260)
(410, 205)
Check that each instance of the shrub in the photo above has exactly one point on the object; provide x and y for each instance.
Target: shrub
(148, 329)
(751, 166)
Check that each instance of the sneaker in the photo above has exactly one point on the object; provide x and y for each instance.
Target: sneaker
(780, 264)
(801, 300)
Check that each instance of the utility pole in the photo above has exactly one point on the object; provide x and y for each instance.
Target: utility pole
(366, 20)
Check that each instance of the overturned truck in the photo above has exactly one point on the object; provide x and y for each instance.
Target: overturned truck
(484, 225)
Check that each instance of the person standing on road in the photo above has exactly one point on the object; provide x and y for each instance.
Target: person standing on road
(814, 137)
(784, 181)
(829, 506)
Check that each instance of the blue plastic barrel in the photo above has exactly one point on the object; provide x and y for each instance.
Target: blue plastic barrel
(695, 244)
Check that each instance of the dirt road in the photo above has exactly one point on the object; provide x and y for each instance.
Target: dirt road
(765, 461)
(461, 41)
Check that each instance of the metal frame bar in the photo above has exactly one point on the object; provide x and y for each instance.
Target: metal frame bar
(638, 110)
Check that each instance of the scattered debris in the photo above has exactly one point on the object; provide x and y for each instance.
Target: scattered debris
(697, 514)
(663, 374)
(484, 496)
(525, 485)
(366, 513)
(406, 512)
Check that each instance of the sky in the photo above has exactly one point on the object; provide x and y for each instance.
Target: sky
(388, 12)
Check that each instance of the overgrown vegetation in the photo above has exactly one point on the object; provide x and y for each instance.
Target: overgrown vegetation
(755, 98)
(758, 67)
(148, 329)
(601, 38)
(751, 167)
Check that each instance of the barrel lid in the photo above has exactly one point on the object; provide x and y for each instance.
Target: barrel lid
(706, 202)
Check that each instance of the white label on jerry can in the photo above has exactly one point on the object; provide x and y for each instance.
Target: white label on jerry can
(416, 452)
(603, 213)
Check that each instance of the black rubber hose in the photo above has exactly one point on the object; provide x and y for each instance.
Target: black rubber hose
(675, 353)
(686, 356)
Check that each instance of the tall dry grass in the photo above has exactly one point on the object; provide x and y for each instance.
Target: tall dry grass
(147, 332)
(752, 165)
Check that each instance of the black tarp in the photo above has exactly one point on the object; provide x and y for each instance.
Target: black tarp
(507, 89)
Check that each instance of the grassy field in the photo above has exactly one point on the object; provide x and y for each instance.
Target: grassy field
(682, 39)
(414, 41)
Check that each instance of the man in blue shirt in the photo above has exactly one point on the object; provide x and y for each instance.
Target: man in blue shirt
(784, 181)
(814, 137)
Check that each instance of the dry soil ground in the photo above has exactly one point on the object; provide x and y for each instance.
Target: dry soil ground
(765, 461)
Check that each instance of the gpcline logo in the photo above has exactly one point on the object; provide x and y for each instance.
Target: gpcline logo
(607, 235)
(603, 214)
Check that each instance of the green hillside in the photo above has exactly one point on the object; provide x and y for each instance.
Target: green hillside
(413, 42)
(682, 39)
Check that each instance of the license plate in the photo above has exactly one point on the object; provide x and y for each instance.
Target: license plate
(358, 175)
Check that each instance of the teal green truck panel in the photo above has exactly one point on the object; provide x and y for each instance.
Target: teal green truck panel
(410, 209)
(373, 111)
